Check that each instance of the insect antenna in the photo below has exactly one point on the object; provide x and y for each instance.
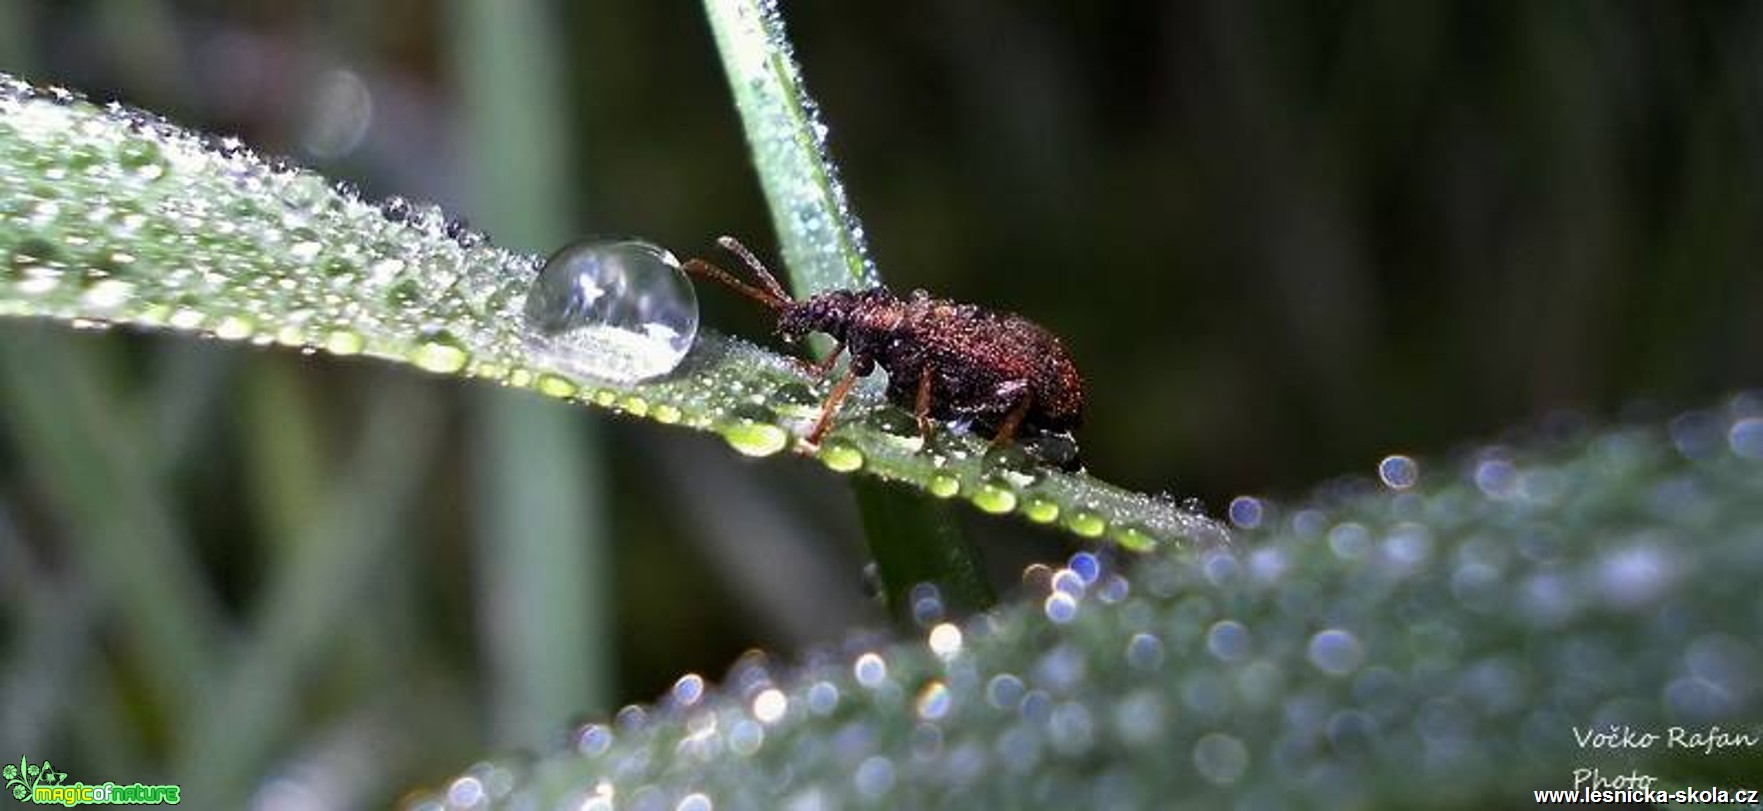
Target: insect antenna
(735, 247)
(771, 294)
(699, 267)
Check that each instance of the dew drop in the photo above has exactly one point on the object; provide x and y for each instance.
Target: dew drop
(440, 352)
(1004, 691)
(1246, 511)
(1086, 566)
(344, 342)
(841, 456)
(142, 158)
(1013, 463)
(934, 701)
(304, 251)
(234, 328)
(943, 485)
(1336, 652)
(875, 777)
(895, 421)
(795, 399)
(1228, 640)
(755, 438)
(108, 294)
(1055, 450)
(1398, 472)
(770, 705)
(1221, 758)
(1069, 582)
(593, 740)
(688, 690)
(620, 311)
(666, 414)
(870, 670)
(1135, 538)
(554, 386)
(1086, 523)
(994, 498)
(945, 640)
(1746, 438)
(1060, 607)
(1040, 509)
(1144, 651)
(634, 406)
(823, 698)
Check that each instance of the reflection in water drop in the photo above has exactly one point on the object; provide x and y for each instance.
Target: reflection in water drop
(620, 311)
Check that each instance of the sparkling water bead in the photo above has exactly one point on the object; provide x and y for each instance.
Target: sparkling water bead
(621, 311)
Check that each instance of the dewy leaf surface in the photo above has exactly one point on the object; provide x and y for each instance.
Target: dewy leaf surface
(1443, 645)
(109, 215)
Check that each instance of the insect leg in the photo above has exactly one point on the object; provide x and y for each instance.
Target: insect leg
(832, 406)
(1013, 420)
(821, 367)
(922, 409)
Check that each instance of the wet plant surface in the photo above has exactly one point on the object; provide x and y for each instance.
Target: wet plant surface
(1440, 636)
(113, 216)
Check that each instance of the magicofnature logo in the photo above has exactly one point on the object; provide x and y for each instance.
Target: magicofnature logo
(22, 780)
(42, 784)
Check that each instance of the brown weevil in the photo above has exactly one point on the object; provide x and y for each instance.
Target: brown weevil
(998, 371)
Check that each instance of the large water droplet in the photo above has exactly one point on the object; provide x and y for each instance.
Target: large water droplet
(620, 311)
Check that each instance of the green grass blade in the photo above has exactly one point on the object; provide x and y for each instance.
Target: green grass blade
(916, 540)
(109, 215)
(821, 240)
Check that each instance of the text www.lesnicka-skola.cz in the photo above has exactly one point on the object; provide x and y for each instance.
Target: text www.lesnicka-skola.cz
(1687, 796)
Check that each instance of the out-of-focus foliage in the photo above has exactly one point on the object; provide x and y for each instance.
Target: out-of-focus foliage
(1446, 643)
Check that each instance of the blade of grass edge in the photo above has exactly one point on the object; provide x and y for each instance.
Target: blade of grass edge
(823, 249)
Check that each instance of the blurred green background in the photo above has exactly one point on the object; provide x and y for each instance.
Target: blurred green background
(1281, 239)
